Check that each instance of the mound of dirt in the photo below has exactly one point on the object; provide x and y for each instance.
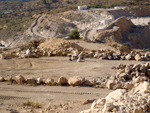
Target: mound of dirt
(58, 43)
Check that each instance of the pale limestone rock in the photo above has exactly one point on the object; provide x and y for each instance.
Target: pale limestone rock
(115, 95)
(76, 80)
(63, 80)
(128, 57)
(39, 80)
(110, 84)
(138, 57)
(139, 79)
(142, 87)
(8, 78)
(49, 81)
(20, 79)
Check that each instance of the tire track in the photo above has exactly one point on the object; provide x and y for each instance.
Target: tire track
(59, 92)
(4, 97)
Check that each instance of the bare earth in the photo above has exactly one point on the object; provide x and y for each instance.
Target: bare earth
(73, 99)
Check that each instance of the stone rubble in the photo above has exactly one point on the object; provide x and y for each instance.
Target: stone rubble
(135, 100)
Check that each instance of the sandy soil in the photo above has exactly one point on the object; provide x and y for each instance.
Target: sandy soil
(62, 99)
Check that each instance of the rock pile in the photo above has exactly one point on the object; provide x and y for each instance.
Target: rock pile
(62, 47)
(128, 75)
(73, 81)
(59, 44)
(135, 100)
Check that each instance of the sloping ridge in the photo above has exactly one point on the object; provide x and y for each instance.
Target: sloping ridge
(116, 31)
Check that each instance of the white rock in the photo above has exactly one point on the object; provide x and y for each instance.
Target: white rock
(39, 80)
(128, 57)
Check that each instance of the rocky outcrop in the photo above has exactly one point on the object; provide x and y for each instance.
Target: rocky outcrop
(135, 100)
(116, 31)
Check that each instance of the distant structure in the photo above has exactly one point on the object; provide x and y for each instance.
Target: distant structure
(82, 7)
(119, 7)
(106, 21)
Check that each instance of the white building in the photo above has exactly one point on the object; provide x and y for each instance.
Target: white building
(119, 7)
(82, 7)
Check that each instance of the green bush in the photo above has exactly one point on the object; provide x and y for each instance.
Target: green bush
(28, 103)
(75, 34)
(58, 53)
(37, 105)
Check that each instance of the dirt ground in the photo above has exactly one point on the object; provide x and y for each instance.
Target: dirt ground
(56, 99)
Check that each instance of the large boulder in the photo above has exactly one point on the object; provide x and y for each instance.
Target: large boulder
(76, 80)
(20, 79)
(62, 81)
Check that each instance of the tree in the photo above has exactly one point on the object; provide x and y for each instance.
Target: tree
(75, 34)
